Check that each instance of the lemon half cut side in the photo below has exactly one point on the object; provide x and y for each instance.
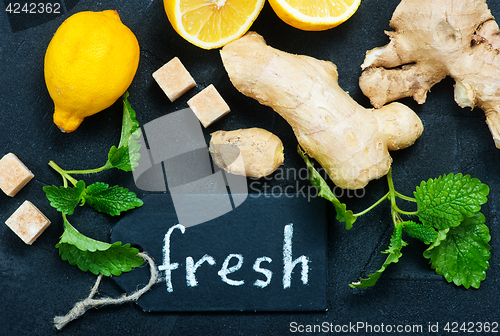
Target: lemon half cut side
(211, 24)
(314, 15)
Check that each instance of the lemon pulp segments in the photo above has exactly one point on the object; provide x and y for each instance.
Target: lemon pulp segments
(212, 23)
(321, 8)
(314, 14)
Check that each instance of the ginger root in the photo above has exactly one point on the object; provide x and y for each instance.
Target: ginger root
(433, 39)
(252, 152)
(349, 141)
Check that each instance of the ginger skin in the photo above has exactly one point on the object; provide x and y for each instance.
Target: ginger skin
(349, 141)
(253, 152)
(433, 39)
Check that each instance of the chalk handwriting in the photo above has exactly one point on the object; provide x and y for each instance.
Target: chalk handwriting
(289, 264)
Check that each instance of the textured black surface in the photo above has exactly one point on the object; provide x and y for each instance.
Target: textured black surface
(36, 284)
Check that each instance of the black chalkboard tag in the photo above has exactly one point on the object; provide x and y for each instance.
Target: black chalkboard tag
(268, 254)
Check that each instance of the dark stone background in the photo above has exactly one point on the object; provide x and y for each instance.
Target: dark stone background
(36, 285)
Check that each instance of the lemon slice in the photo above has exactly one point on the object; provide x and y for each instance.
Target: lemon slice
(314, 14)
(211, 24)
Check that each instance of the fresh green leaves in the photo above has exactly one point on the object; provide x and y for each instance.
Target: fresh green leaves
(451, 204)
(425, 233)
(65, 199)
(394, 253)
(126, 155)
(462, 253)
(95, 256)
(444, 202)
(89, 254)
(343, 215)
(448, 208)
(110, 200)
(451, 223)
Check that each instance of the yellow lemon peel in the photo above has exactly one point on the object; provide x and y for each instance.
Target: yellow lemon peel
(89, 63)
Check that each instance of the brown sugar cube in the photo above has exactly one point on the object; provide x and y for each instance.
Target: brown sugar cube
(174, 79)
(13, 174)
(28, 222)
(208, 105)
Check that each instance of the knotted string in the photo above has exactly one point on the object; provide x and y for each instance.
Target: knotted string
(81, 307)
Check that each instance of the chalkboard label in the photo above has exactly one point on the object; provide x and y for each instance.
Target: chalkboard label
(268, 254)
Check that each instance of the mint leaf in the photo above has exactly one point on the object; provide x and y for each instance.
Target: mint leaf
(394, 253)
(425, 233)
(65, 199)
(126, 155)
(343, 215)
(111, 200)
(462, 253)
(96, 256)
(445, 201)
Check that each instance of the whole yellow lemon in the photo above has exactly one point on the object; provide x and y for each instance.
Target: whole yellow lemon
(89, 63)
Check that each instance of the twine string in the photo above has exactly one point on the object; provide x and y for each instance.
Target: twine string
(82, 306)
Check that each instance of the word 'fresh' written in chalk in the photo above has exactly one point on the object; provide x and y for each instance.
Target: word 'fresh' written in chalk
(191, 266)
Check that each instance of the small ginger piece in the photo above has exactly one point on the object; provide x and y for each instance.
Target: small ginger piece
(208, 105)
(14, 175)
(433, 39)
(253, 152)
(174, 79)
(349, 141)
(27, 222)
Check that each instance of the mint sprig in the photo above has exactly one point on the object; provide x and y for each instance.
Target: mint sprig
(89, 254)
(450, 222)
(100, 196)
(126, 156)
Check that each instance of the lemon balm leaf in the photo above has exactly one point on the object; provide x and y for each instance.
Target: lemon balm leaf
(394, 253)
(343, 215)
(65, 199)
(89, 254)
(96, 256)
(126, 155)
(461, 254)
(425, 233)
(111, 200)
(104, 262)
(129, 123)
(444, 202)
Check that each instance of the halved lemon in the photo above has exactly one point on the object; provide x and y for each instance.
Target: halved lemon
(314, 14)
(212, 24)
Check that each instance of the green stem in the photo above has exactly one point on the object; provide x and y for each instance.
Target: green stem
(64, 174)
(373, 206)
(406, 198)
(408, 213)
(90, 171)
(393, 193)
